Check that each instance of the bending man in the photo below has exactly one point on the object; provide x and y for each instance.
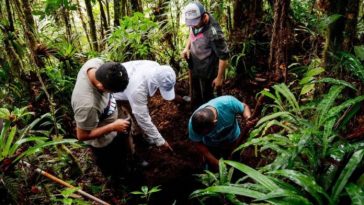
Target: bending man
(214, 127)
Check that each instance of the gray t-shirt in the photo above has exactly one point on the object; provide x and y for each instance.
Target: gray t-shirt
(91, 107)
(207, 47)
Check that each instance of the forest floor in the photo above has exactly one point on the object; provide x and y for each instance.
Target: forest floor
(175, 172)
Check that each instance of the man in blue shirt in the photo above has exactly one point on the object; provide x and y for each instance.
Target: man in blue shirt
(214, 127)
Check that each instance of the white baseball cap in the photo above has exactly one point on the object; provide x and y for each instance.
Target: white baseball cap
(166, 78)
(193, 12)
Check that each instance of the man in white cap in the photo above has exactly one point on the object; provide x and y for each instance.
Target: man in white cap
(206, 52)
(145, 78)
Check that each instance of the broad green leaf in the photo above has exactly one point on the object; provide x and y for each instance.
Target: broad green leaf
(9, 141)
(336, 110)
(307, 88)
(296, 200)
(255, 175)
(144, 189)
(307, 182)
(284, 90)
(359, 52)
(3, 134)
(328, 131)
(306, 80)
(223, 174)
(227, 190)
(346, 173)
(39, 147)
(315, 71)
(356, 194)
(336, 82)
(20, 142)
(273, 116)
(4, 114)
(268, 94)
(283, 195)
(329, 20)
(137, 193)
(327, 102)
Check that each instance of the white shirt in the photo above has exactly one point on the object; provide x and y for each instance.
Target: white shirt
(142, 84)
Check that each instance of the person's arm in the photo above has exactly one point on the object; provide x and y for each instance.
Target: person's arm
(118, 125)
(186, 51)
(140, 111)
(211, 159)
(246, 113)
(217, 82)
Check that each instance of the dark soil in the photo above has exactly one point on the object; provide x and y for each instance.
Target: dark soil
(174, 173)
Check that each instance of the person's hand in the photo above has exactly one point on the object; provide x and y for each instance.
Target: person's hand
(185, 54)
(166, 146)
(251, 123)
(217, 83)
(121, 125)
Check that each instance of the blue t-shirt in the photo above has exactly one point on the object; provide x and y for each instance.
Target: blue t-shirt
(227, 128)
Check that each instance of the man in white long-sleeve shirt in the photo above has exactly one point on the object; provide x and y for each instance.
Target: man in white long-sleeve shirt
(145, 78)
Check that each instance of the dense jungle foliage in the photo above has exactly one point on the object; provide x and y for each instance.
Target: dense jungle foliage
(298, 63)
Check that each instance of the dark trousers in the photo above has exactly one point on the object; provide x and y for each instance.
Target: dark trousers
(202, 91)
(112, 159)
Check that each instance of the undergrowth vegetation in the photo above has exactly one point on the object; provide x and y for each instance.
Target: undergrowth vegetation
(300, 139)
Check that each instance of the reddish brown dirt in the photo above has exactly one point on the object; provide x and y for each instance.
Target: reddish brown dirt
(175, 172)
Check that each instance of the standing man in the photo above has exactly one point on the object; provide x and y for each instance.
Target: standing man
(206, 52)
(96, 115)
(214, 128)
(146, 77)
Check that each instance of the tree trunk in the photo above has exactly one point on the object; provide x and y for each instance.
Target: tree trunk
(124, 8)
(26, 17)
(10, 16)
(103, 17)
(92, 25)
(83, 23)
(108, 12)
(246, 15)
(334, 35)
(278, 59)
(8, 34)
(66, 20)
(351, 17)
(117, 12)
(136, 6)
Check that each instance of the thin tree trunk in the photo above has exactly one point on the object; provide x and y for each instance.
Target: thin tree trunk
(10, 16)
(107, 11)
(246, 15)
(25, 15)
(117, 12)
(92, 25)
(351, 17)
(103, 16)
(66, 20)
(228, 20)
(76, 31)
(278, 59)
(11, 55)
(124, 8)
(334, 35)
(136, 6)
(83, 23)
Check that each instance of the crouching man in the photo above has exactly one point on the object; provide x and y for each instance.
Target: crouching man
(214, 129)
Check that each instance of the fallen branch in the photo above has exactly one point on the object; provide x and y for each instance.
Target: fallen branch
(60, 181)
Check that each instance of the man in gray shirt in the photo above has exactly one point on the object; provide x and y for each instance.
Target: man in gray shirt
(206, 52)
(96, 113)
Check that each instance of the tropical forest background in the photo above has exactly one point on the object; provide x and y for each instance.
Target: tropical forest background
(297, 63)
